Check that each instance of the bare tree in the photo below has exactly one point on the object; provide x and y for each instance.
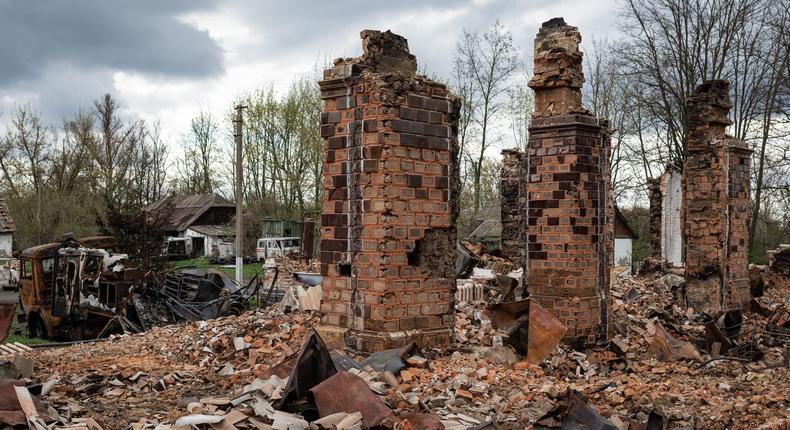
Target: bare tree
(283, 150)
(148, 175)
(673, 45)
(485, 63)
(520, 108)
(611, 96)
(111, 150)
(27, 155)
(774, 71)
(200, 155)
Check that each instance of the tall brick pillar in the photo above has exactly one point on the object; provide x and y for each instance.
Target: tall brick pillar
(570, 208)
(716, 202)
(390, 199)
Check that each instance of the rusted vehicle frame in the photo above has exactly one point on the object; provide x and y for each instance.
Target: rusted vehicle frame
(38, 279)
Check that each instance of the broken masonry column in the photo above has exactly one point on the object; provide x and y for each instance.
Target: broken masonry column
(391, 178)
(570, 206)
(716, 201)
(513, 203)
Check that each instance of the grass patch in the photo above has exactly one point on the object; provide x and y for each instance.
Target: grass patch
(15, 338)
(19, 333)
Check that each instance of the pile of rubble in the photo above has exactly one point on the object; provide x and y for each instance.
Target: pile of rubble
(667, 366)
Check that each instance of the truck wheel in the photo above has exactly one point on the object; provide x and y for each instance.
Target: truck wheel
(36, 328)
(236, 309)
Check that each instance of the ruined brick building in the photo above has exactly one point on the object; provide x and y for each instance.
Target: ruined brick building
(716, 202)
(390, 199)
(556, 199)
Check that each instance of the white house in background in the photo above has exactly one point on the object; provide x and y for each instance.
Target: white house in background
(7, 229)
(215, 240)
(624, 237)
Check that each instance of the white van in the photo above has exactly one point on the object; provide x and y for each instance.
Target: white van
(277, 247)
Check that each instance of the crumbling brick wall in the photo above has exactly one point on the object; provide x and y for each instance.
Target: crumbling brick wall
(390, 199)
(513, 203)
(570, 207)
(716, 202)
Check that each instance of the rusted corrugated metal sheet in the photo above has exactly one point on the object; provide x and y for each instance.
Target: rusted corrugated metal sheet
(6, 222)
(187, 209)
(11, 412)
(308, 239)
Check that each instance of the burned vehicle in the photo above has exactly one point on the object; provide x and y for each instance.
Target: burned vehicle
(192, 294)
(72, 289)
(84, 289)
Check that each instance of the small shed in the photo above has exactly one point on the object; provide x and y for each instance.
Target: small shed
(196, 209)
(624, 237)
(212, 240)
(7, 229)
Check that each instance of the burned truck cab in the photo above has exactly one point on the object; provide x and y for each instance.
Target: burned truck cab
(72, 289)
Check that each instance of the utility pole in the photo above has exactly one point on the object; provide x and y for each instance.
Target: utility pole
(238, 122)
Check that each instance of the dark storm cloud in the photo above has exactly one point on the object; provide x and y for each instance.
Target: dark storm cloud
(287, 25)
(142, 36)
(61, 54)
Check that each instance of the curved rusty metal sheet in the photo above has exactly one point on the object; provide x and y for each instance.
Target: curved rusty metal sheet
(7, 311)
(312, 366)
(11, 412)
(346, 392)
(573, 413)
(545, 332)
(531, 330)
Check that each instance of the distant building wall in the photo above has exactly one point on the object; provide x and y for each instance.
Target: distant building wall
(216, 216)
(6, 244)
(671, 227)
(622, 251)
(281, 228)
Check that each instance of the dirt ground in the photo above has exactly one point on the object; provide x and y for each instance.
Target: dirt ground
(147, 380)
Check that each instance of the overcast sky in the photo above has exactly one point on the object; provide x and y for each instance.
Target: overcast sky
(166, 60)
